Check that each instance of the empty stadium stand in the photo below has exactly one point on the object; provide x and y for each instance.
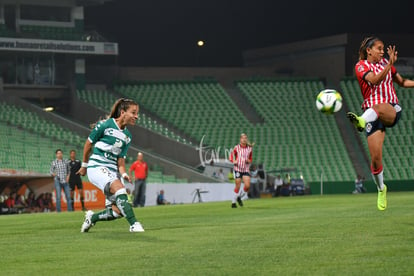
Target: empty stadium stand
(29, 141)
(398, 147)
(198, 108)
(104, 99)
(307, 140)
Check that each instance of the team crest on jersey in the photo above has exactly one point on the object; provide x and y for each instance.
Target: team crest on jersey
(360, 68)
(368, 127)
(116, 148)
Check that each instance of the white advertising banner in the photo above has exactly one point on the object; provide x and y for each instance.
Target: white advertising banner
(187, 193)
(58, 46)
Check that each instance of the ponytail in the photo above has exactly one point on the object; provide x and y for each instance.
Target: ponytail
(119, 105)
(250, 144)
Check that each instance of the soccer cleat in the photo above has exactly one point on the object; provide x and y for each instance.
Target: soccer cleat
(87, 223)
(136, 227)
(357, 121)
(233, 205)
(382, 199)
(240, 201)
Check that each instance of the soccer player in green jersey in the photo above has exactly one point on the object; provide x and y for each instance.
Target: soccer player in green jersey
(108, 142)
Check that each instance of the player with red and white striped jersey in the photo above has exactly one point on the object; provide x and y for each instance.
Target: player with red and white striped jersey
(376, 76)
(241, 157)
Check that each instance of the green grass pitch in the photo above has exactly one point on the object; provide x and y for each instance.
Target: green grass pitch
(310, 235)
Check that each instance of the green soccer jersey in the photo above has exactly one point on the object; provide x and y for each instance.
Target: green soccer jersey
(110, 142)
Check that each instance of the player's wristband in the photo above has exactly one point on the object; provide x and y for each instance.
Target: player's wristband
(84, 164)
(124, 175)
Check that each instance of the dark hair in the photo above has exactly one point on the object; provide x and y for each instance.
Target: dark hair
(58, 151)
(368, 42)
(72, 151)
(119, 105)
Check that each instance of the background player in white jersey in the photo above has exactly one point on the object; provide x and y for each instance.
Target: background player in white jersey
(241, 157)
(376, 75)
(111, 140)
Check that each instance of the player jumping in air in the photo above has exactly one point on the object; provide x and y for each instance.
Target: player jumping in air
(376, 75)
(111, 140)
(241, 157)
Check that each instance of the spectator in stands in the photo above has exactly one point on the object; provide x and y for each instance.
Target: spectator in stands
(31, 203)
(3, 208)
(161, 199)
(285, 190)
(20, 203)
(359, 185)
(278, 183)
(75, 180)
(41, 202)
(48, 202)
(140, 169)
(254, 183)
(270, 189)
(60, 170)
(230, 175)
(262, 175)
(10, 202)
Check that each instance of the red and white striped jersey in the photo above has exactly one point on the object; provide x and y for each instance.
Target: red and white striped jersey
(384, 92)
(241, 154)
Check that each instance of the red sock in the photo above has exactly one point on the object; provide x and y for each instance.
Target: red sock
(376, 171)
(236, 190)
(245, 189)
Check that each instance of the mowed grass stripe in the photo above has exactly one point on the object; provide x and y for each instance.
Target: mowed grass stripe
(310, 235)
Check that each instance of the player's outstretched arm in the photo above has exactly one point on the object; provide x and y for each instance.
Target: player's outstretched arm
(402, 82)
(87, 149)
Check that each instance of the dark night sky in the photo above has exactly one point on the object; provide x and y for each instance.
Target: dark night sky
(165, 32)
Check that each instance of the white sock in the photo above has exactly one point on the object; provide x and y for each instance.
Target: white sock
(369, 115)
(379, 180)
(235, 196)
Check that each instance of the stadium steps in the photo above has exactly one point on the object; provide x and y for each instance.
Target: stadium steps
(104, 99)
(201, 109)
(353, 144)
(244, 105)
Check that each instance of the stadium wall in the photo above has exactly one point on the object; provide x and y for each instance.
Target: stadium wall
(348, 187)
(226, 75)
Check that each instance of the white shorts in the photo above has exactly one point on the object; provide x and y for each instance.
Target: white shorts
(100, 177)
